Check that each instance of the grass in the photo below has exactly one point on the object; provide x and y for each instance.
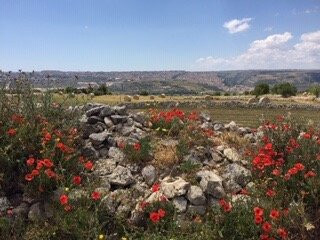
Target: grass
(242, 116)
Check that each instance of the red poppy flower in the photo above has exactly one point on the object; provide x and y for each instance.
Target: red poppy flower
(47, 137)
(299, 166)
(50, 173)
(276, 172)
(154, 217)
(274, 214)
(310, 174)
(12, 132)
(88, 165)
(293, 171)
(282, 233)
(270, 193)
(95, 196)
(47, 163)
(258, 211)
(266, 227)
(137, 146)
(155, 187)
(76, 180)
(30, 161)
(258, 219)
(28, 177)
(39, 165)
(35, 172)
(17, 118)
(264, 237)
(307, 135)
(64, 199)
(161, 213)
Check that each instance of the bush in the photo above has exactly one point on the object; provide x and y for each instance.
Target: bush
(315, 90)
(284, 89)
(144, 93)
(261, 89)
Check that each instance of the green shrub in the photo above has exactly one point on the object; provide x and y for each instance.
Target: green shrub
(261, 89)
(284, 89)
(315, 90)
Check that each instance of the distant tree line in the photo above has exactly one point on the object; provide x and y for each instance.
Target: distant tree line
(283, 89)
(99, 91)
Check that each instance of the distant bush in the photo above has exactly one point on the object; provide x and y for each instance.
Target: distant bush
(261, 89)
(284, 89)
(144, 93)
(315, 90)
(217, 94)
(226, 94)
(246, 93)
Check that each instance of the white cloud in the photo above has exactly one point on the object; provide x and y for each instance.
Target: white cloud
(237, 25)
(273, 52)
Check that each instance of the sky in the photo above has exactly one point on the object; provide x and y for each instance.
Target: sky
(145, 35)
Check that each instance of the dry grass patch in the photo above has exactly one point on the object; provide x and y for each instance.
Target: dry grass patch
(165, 153)
(235, 140)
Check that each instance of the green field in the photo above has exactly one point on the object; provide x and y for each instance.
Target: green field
(243, 116)
(253, 117)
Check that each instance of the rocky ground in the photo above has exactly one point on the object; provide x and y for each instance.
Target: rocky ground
(220, 168)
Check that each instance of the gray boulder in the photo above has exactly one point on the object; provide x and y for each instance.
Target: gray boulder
(121, 177)
(149, 174)
(196, 196)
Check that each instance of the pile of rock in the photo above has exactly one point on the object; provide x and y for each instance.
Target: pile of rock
(221, 168)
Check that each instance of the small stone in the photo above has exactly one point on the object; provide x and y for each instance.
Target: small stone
(195, 196)
(174, 187)
(116, 119)
(231, 154)
(238, 173)
(116, 154)
(104, 166)
(180, 203)
(89, 151)
(35, 212)
(94, 119)
(211, 183)
(99, 138)
(149, 174)
(121, 110)
(121, 176)
(94, 111)
(108, 122)
(106, 111)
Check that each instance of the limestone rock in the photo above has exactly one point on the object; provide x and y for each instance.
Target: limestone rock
(174, 187)
(180, 203)
(149, 174)
(231, 154)
(121, 176)
(195, 196)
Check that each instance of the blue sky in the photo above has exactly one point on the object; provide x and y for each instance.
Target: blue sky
(117, 35)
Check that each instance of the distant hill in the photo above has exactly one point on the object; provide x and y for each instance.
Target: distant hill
(171, 82)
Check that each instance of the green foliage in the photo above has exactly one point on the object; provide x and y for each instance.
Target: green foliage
(144, 93)
(285, 89)
(138, 152)
(315, 90)
(261, 89)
